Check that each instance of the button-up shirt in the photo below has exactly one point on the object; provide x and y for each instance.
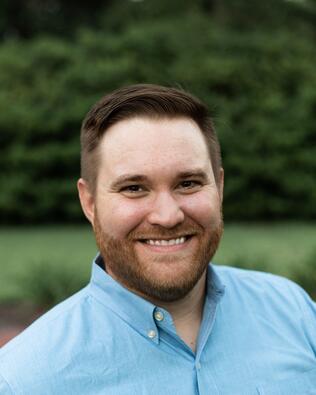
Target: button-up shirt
(257, 337)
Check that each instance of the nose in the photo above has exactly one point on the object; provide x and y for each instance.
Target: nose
(165, 211)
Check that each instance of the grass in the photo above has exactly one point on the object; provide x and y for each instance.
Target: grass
(279, 248)
(48, 263)
(24, 252)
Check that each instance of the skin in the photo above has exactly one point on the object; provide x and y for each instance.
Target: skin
(156, 182)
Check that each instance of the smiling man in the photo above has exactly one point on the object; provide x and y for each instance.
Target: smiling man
(157, 317)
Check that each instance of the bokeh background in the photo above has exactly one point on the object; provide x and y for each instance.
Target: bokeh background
(252, 62)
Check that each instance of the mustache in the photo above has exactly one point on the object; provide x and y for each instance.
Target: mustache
(160, 232)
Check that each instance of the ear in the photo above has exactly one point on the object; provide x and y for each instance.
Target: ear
(221, 184)
(86, 199)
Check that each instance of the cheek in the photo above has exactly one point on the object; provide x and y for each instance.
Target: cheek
(203, 208)
(119, 218)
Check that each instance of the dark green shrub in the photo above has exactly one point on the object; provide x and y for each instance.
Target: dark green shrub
(259, 83)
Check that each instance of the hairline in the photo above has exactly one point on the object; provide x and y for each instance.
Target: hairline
(149, 116)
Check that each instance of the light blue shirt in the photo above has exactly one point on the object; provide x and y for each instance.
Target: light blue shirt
(258, 337)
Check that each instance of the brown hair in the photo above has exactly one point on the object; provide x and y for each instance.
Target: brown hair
(152, 101)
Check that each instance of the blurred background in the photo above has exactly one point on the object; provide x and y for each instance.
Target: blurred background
(253, 63)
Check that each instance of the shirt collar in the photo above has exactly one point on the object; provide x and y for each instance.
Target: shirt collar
(133, 309)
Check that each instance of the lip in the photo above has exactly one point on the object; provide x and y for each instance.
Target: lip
(166, 248)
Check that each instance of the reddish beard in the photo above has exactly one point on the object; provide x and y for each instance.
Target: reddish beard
(124, 265)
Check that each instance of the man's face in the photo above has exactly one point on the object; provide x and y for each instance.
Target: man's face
(157, 208)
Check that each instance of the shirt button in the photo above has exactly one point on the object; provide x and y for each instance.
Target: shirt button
(151, 334)
(158, 315)
(198, 365)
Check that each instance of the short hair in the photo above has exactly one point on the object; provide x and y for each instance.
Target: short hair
(143, 100)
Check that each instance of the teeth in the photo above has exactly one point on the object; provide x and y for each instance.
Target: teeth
(171, 242)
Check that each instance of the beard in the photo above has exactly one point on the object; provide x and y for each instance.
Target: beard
(144, 276)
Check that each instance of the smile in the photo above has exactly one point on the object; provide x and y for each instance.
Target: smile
(171, 242)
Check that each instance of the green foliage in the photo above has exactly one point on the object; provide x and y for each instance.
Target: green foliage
(47, 284)
(29, 18)
(259, 82)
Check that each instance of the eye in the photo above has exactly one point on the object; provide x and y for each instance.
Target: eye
(133, 189)
(190, 184)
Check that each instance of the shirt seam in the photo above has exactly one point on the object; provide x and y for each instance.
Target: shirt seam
(7, 384)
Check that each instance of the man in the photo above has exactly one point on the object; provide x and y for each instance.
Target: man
(156, 317)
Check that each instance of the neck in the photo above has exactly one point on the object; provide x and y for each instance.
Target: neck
(187, 313)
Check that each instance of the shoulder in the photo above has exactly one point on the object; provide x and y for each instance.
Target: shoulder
(264, 288)
(55, 318)
(234, 276)
(274, 302)
(49, 342)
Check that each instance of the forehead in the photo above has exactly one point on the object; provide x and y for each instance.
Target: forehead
(145, 144)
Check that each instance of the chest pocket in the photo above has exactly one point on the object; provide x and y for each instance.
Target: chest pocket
(302, 384)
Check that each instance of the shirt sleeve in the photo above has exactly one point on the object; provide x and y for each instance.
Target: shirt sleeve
(311, 321)
(308, 307)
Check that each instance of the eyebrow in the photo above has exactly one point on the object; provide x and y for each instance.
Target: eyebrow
(128, 178)
(197, 173)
